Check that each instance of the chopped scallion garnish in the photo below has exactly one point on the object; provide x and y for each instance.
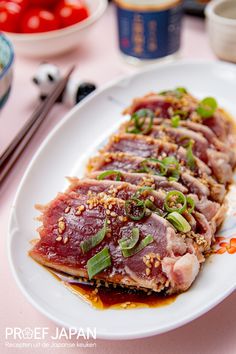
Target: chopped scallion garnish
(99, 262)
(135, 208)
(144, 243)
(157, 167)
(139, 120)
(169, 167)
(142, 190)
(178, 221)
(109, 173)
(175, 201)
(178, 92)
(150, 205)
(129, 243)
(181, 113)
(175, 121)
(190, 156)
(93, 241)
(181, 89)
(173, 167)
(190, 205)
(207, 107)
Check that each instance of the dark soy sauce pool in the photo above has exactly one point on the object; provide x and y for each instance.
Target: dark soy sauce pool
(107, 297)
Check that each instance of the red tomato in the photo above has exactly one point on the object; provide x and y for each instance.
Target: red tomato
(38, 20)
(70, 12)
(10, 15)
(44, 3)
(22, 3)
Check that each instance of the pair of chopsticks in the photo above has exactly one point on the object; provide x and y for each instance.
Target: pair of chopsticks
(19, 143)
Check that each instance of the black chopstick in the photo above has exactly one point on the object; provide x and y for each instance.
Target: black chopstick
(32, 119)
(16, 147)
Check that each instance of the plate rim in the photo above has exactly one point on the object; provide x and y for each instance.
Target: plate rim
(43, 144)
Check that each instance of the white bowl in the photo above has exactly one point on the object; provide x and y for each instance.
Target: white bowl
(221, 24)
(59, 41)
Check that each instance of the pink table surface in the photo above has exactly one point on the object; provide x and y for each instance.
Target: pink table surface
(98, 60)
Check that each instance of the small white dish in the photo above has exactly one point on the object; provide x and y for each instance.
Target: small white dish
(45, 44)
(221, 25)
(64, 153)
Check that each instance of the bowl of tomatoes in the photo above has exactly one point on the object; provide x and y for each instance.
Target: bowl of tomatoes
(43, 28)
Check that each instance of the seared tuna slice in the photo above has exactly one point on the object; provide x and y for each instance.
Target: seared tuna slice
(165, 106)
(128, 163)
(147, 147)
(206, 132)
(125, 191)
(71, 219)
(219, 162)
(157, 103)
(141, 180)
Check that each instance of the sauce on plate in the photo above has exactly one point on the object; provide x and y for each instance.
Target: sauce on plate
(108, 297)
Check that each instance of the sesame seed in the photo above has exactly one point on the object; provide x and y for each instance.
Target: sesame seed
(61, 226)
(67, 210)
(59, 238)
(148, 271)
(158, 256)
(66, 239)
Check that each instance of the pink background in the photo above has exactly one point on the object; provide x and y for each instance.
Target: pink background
(97, 60)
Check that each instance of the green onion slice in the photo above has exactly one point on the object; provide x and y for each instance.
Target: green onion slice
(139, 119)
(135, 208)
(178, 92)
(181, 113)
(173, 167)
(144, 243)
(190, 204)
(109, 173)
(168, 166)
(178, 200)
(181, 89)
(190, 156)
(93, 241)
(207, 107)
(150, 205)
(175, 121)
(142, 190)
(178, 221)
(162, 168)
(129, 243)
(99, 262)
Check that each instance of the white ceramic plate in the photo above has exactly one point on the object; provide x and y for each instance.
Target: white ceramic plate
(63, 153)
